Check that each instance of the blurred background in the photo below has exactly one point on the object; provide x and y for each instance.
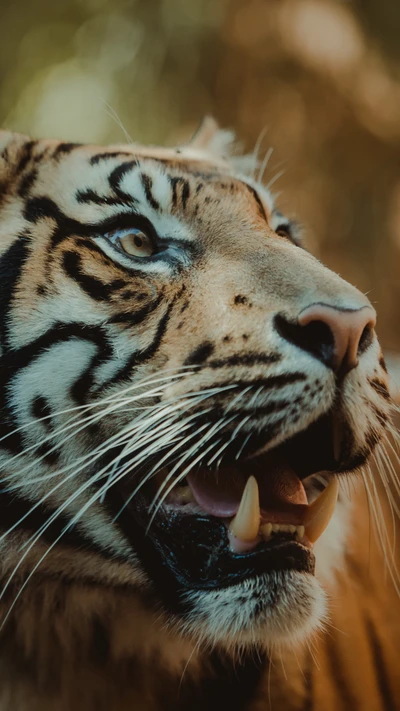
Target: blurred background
(316, 80)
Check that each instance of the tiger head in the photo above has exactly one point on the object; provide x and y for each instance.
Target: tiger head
(183, 386)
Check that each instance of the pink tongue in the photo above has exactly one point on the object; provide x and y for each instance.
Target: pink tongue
(280, 489)
(217, 495)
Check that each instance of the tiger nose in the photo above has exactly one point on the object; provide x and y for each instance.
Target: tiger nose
(335, 335)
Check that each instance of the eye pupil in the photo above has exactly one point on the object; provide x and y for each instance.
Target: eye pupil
(138, 241)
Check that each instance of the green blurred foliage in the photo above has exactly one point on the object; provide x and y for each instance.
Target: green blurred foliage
(317, 80)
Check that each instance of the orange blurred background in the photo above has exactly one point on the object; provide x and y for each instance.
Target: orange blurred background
(316, 80)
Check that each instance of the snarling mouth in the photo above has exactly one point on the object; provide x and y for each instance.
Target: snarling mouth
(250, 517)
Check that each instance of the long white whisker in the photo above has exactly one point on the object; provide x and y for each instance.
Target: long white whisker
(275, 178)
(264, 164)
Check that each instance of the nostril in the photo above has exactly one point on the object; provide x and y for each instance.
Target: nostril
(316, 338)
(366, 339)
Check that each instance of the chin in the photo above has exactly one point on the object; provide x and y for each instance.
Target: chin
(273, 610)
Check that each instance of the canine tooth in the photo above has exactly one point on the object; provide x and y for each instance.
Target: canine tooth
(337, 438)
(246, 523)
(320, 512)
(300, 531)
(266, 530)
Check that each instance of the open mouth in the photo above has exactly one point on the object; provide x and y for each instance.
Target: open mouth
(251, 517)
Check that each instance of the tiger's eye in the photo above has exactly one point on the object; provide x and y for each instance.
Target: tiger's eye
(137, 244)
(283, 231)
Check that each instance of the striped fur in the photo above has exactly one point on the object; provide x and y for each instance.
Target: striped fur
(109, 365)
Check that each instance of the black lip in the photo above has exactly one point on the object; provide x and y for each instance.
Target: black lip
(184, 553)
(196, 549)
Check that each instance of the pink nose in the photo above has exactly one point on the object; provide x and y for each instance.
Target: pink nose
(351, 331)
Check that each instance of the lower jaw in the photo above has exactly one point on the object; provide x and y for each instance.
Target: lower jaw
(185, 553)
(208, 562)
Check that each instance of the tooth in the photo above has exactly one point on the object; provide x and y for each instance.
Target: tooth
(337, 437)
(320, 512)
(246, 523)
(266, 530)
(300, 531)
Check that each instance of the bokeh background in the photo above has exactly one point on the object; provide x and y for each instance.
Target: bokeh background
(316, 80)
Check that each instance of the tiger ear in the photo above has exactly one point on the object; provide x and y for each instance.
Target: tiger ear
(204, 133)
(210, 138)
(219, 143)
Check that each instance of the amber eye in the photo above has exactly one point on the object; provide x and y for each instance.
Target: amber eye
(283, 231)
(133, 241)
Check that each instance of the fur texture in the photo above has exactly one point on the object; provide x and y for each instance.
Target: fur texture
(113, 365)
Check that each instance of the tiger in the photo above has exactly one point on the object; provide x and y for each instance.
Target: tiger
(190, 401)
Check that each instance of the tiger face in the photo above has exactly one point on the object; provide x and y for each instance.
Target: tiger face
(182, 386)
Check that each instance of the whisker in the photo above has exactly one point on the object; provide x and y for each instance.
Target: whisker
(264, 164)
(257, 147)
(275, 178)
(106, 399)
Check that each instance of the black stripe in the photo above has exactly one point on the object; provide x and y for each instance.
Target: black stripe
(116, 177)
(141, 356)
(269, 409)
(11, 265)
(40, 409)
(13, 508)
(65, 148)
(388, 701)
(225, 684)
(25, 157)
(379, 388)
(147, 185)
(382, 363)
(135, 317)
(345, 692)
(89, 196)
(176, 181)
(256, 196)
(27, 183)
(381, 416)
(308, 685)
(40, 207)
(200, 354)
(185, 193)
(91, 246)
(245, 359)
(269, 383)
(108, 156)
(95, 288)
